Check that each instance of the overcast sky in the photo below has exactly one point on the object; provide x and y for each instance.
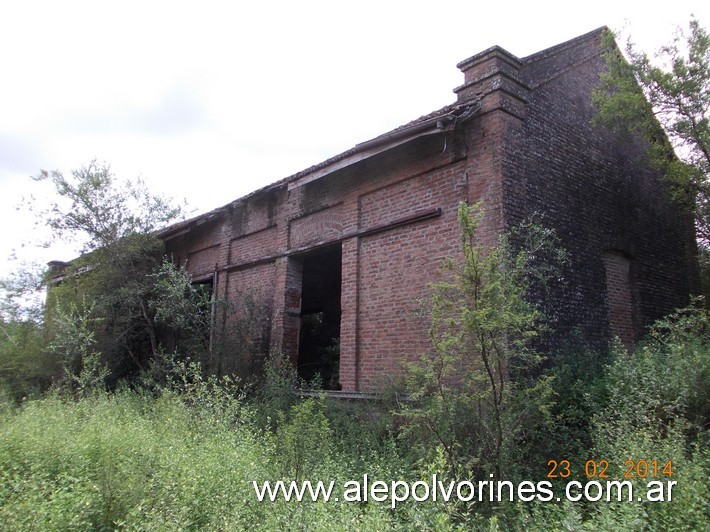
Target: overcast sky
(209, 101)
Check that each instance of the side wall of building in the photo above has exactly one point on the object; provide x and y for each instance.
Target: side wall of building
(632, 250)
(385, 221)
(392, 217)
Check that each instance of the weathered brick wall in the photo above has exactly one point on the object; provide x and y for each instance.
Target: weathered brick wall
(243, 320)
(316, 228)
(600, 196)
(384, 273)
(397, 266)
(253, 246)
(200, 250)
(619, 297)
(530, 149)
(394, 217)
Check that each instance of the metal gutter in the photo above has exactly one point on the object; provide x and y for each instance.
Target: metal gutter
(442, 122)
(378, 145)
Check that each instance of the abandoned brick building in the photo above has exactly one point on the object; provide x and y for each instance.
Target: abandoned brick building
(341, 253)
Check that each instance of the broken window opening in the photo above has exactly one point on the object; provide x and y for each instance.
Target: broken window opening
(206, 308)
(319, 334)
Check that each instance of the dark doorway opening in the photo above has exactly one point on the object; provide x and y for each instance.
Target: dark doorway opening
(319, 337)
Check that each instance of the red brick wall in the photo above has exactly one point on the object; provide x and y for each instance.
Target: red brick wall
(619, 297)
(396, 267)
(200, 249)
(316, 228)
(203, 261)
(254, 246)
(599, 193)
(530, 149)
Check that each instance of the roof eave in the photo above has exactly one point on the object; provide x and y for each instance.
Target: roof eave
(440, 121)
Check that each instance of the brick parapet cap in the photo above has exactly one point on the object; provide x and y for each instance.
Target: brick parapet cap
(492, 70)
(56, 265)
(490, 61)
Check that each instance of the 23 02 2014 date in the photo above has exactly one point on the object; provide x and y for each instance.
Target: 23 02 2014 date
(600, 468)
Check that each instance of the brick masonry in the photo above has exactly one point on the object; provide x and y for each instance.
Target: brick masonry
(519, 140)
(619, 297)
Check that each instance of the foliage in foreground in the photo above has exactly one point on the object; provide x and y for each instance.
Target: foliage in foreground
(657, 408)
(479, 392)
(176, 461)
(184, 456)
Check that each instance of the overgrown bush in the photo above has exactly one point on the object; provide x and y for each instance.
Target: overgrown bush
(184, 458)
(477, 395)
(657, 410)
(576, 377)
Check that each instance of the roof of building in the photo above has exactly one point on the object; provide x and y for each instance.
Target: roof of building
(442, 119)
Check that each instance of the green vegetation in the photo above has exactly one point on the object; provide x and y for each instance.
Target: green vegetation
(666, 99)
(118, 411)
(656, 408)
(184, 455)
(174, 449)
(478, 394)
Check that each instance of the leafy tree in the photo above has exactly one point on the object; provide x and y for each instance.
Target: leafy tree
(93, 208)
(26, 367)
(134, 301)
(20, 294)
(119, 284)
(666, 100)
(478, 393)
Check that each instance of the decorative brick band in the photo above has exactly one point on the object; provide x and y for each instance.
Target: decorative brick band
(419, 216)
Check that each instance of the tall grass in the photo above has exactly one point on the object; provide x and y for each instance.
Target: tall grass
(184, 455)
(129, 460)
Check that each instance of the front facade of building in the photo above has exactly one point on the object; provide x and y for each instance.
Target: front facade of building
(340, 256)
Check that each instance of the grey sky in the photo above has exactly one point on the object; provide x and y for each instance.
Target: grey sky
(209, 101)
